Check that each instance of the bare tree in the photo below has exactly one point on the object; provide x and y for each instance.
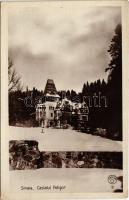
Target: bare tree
(14, 82)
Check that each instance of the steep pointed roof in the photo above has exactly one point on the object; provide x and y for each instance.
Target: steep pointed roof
(50, 87)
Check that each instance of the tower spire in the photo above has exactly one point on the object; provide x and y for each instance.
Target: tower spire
(50, 87)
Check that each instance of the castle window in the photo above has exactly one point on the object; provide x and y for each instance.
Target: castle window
(51, 108)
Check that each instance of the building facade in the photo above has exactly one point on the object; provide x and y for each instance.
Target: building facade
(60, 113)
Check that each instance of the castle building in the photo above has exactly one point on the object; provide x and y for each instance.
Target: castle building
(56, 112)
(51, 100)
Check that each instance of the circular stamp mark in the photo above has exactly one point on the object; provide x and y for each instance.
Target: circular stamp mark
(112, 179)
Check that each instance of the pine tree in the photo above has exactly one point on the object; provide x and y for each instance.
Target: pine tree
(68, 95)
(115, 84)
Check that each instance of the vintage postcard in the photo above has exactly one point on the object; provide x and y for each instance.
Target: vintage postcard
(64, 100)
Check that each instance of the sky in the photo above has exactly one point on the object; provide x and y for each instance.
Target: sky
(61, 42)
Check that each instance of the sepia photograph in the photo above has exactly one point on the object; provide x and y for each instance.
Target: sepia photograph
(65, 79)
(65, 72)
(65, 82)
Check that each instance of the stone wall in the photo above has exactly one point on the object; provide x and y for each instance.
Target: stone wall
(25, 154)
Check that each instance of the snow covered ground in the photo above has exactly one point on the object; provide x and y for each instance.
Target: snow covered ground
(73, 180)
(64, 140)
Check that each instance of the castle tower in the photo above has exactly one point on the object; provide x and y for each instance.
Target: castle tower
(50, 87)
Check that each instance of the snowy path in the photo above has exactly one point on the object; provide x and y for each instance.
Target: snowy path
(64, 140)
(74, 180)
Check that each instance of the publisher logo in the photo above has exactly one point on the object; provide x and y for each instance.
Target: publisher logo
(112, 179)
